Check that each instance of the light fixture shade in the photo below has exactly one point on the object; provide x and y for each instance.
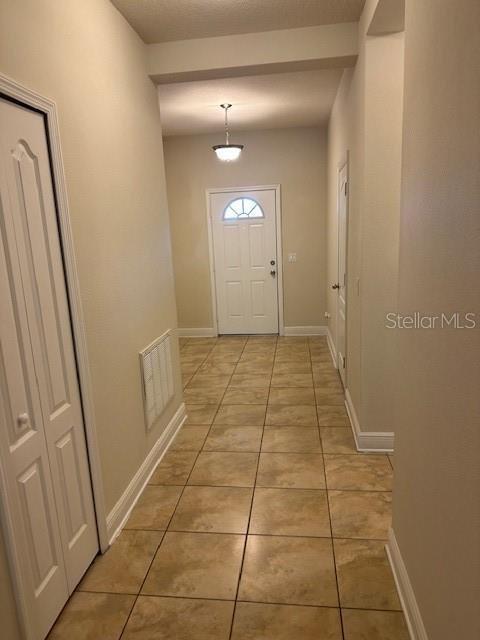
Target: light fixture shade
(228, 152)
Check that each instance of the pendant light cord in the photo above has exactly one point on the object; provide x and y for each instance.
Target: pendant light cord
(227, 151)
(227, 134)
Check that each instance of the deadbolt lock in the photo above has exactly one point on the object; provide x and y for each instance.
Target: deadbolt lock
(272, 262)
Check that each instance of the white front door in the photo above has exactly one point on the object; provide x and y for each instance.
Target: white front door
(42, 438)
(245, 261)
(342, 270)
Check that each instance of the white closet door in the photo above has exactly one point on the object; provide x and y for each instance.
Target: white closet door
(51, 497)
(25, 466)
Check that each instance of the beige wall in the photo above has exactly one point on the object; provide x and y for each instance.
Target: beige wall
(436, 503)
(295, 158)
(366, 120)
(380, 223)
(86, 57)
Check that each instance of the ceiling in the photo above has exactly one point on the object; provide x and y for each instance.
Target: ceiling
(168, 20)
(280, 100)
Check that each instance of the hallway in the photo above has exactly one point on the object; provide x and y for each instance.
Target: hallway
(260, 521)
(300, 178)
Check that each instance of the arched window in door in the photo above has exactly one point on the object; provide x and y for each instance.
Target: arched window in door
(243, 208)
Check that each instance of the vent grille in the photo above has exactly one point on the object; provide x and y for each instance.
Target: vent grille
(157, 377)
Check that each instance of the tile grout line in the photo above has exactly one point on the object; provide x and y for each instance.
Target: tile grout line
(251, 507)
(329, 514)
(263, 535)
(246, 486)
(286, 604)
(253, 489)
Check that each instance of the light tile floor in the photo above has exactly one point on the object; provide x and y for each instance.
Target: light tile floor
(262, 522)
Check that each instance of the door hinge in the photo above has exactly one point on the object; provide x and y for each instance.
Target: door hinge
(346, 188)
(344, 362)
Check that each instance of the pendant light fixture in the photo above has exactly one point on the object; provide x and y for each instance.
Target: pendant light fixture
(227, 152)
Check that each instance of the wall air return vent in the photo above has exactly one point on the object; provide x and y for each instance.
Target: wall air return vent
(157, 377)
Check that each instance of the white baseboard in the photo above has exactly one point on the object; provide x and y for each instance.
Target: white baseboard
(406, 594)
(195, 332)
(118, 515)
(318, 330)
(368, 441)
(332, 349)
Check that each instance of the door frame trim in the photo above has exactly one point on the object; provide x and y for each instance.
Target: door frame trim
(344, 162)
(28, 98)
(279, 244)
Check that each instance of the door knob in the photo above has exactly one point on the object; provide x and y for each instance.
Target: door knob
(273, 273)
(335, 286)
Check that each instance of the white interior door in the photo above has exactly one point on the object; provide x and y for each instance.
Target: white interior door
(43, 448)
(342, 270)
(245, 261)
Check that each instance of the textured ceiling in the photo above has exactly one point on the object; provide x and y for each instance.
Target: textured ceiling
(297, 99)
(167, 20)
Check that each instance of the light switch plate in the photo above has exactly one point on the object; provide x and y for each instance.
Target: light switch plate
(292, 257)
